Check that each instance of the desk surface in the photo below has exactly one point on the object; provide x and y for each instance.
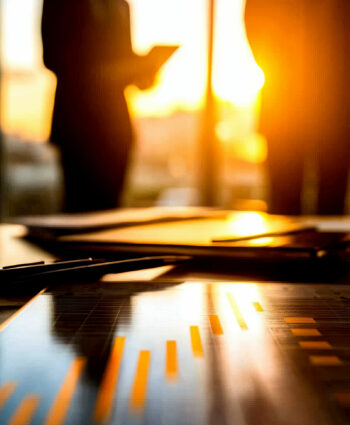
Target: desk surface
(167, 351)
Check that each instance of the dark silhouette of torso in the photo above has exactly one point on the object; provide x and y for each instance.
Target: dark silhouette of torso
(91, 124)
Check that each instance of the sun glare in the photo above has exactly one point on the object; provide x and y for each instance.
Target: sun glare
(28, 89)
(237, 78)
(181, 83)
(248, 223)
(18, 41)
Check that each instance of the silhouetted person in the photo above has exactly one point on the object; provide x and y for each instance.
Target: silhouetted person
(87, 44)
(303, 48)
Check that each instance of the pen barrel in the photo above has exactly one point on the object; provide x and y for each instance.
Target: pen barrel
(93, 272)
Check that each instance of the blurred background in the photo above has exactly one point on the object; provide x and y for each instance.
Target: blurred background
(168, 119)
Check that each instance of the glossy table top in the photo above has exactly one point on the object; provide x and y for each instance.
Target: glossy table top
(187, 353)
(175, 350)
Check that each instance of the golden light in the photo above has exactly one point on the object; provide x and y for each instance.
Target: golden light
(181, 83)
(27, 95)
(248, 223)
(267, 241)
(251, 147)
(18, 32)
(26, 88)
(26, 104)
(237, 78)
(246, 294)
(259, 354)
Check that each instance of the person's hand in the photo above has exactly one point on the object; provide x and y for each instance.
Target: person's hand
(145, 82)
(150, 64)
(147, 73)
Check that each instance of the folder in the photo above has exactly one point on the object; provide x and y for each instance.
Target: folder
(196, 236)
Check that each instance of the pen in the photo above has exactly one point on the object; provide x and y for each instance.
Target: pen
(93, 269)
(264, 235)
(16, 271)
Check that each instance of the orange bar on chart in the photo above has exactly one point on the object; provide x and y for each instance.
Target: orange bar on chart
(315, 345)
(258, 307)
(58, 412)
(171, 361)
(299, 320)
(343, 399)
(237, 312)
(215, 324)
(25, 411)
(196, 342)
(325, 361)
(107, 389)
(139, 390)
(6, 390)
(305, 332)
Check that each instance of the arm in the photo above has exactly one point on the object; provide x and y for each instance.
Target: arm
(70, 49)
(129, 67)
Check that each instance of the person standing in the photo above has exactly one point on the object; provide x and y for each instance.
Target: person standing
(87, 44)
(303, 48)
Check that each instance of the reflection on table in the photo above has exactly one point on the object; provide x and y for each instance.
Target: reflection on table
(191, 353)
